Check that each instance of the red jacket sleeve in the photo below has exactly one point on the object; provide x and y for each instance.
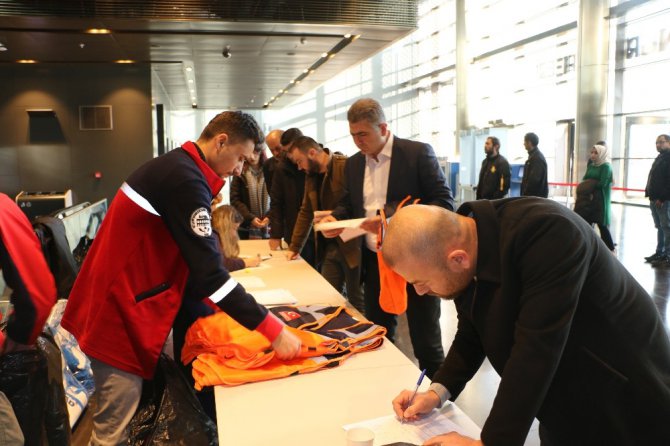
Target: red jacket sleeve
(26, 272)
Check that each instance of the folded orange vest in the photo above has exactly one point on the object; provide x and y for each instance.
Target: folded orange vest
(226, 353)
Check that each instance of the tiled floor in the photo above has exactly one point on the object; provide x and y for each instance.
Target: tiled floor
(633, 231)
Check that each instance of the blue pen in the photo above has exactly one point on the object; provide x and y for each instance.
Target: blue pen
(416, 389)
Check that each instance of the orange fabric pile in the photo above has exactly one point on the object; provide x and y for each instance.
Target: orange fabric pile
(226, 353)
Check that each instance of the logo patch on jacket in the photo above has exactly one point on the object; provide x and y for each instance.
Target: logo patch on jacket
(201, 222)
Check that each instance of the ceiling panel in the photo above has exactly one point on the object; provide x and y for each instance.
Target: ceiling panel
(265, 56)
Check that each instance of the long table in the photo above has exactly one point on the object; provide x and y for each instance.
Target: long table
(310, 409)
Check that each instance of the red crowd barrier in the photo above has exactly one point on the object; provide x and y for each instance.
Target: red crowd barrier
(625, 189)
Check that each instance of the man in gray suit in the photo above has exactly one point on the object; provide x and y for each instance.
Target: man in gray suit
(380, 176)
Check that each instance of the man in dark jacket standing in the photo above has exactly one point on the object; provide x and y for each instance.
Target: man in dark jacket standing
(288, 187)
(577, 342)
(658, 191)
(385, 171)
(534, 182)
(273, 141)
(494, 176)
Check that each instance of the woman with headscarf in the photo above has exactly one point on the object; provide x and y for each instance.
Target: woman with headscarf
(600, 170)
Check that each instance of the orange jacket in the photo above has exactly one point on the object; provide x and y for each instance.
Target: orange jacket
(228, 354)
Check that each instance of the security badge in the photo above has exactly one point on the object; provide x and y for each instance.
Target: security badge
(201, 222)
(493, 169)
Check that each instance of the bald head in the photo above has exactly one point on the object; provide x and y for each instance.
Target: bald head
(435, 250)
(425, 233)
(273, 141)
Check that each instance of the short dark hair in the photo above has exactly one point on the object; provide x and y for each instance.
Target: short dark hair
(532, 138)
(366, 109)
(239, 126)
(494, 140)
(304, 143)
(666, 137)
(289, 136)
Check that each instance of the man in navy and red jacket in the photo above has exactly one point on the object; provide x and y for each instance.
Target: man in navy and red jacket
(154, 247)
(33, 294)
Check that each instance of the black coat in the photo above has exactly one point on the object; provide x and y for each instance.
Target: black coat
(414, 171)
(534, 181)
(589, 201)
(578, 343)
(494, 178)
(288, 188)
(658, 182)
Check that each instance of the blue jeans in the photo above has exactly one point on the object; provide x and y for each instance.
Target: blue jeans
(660, 216)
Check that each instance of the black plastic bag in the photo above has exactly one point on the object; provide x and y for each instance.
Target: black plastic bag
(169, 412)
(56, 417)
(23, 379)
(32, 380)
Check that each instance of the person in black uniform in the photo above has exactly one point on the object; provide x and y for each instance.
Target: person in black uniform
(495, 174)
(534, 182)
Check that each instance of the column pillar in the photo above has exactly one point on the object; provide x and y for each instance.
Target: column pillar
(592, 69)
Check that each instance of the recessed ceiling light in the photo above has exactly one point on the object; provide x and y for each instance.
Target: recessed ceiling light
(98, 31)
(125, 61)
(3, 48)
(189, 68)
(346, 36)
(324, 54)
(26, 61)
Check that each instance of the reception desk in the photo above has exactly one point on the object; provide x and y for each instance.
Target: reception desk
(310, 409)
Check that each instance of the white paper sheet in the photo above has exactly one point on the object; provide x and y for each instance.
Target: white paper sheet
(351, 228)
(339, 224)
(390, 430)
(277, 296)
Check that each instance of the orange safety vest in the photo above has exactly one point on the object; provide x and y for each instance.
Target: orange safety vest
(392, 286)
(226, 353)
